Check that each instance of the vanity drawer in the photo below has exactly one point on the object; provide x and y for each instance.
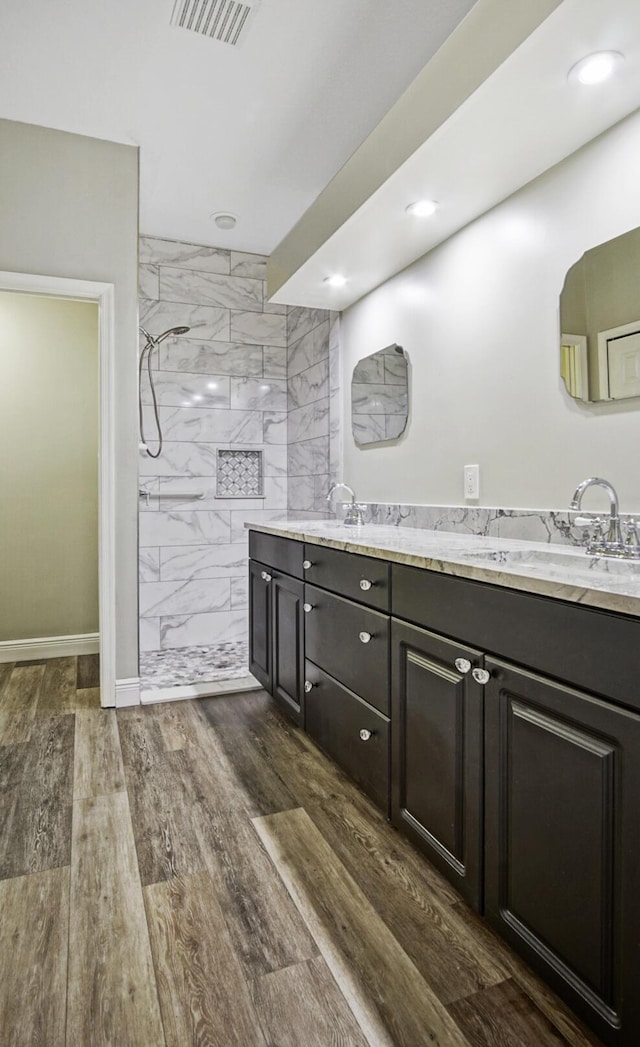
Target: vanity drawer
(284, 553)
(350, 642)
(587, 648)
(361, 578)
(334, 717)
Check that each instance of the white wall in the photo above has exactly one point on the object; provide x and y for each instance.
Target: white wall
(69, 208)
(478, 318)
(49, 414)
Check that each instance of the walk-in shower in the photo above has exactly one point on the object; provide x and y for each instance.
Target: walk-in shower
(148, 348)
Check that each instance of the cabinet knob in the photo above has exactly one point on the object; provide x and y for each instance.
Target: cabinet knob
(481, 676)
(365, 734)
(365, 584)
(463, 665)
(306, 564)
(364, 637)
(266, 577)
(306, 607)
(308, 686)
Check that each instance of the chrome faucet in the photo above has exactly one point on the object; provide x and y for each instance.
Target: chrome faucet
(611, 543)
(353, 515)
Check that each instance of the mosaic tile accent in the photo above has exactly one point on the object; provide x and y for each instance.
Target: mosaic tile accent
(239, 474)
(180, 666)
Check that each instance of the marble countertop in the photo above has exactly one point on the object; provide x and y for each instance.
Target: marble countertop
(559, 571)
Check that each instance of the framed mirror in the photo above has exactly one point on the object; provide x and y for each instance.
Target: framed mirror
(600, 322)
(380, 396)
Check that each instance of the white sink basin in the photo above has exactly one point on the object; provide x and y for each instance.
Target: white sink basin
(564, 559)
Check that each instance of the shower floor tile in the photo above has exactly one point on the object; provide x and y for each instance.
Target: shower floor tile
(179, 666)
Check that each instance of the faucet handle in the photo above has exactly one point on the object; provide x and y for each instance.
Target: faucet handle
(587, 521)
(632, 538)
(596, 543)
(353, 516)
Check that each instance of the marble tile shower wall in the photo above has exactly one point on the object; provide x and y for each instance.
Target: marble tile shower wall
(247, 374)
(313, 390)
(221, 386)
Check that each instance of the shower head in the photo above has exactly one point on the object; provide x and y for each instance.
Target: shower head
(172, 330)
(165, 334)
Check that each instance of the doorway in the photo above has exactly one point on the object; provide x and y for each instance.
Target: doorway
(57, 555)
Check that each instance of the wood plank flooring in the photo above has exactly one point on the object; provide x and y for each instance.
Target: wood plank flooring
(199, 873)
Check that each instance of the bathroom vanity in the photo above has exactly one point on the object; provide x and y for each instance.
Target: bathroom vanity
(487, 700)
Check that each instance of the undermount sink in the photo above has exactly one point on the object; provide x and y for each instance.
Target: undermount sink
(541, 559)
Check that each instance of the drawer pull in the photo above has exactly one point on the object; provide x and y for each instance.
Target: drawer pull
(306, 607)
(266, 577)
(308, 686)
(365, 735)
(463, 665)
(481, 676)
(364, 637)
(365, 584)
(306, 564)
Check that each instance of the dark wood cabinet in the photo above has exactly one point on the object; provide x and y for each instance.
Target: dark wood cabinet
(287, 678)
(561, 848)
(260, 623)
(276, 635)
(437, 790)
(509, 752)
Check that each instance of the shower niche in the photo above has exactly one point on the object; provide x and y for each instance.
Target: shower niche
(239, 474)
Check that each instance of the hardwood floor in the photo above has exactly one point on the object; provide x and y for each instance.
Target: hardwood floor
(199, 873)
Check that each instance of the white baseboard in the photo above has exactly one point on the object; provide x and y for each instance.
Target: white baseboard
(49, 647)
(199, 690)
(127, 692)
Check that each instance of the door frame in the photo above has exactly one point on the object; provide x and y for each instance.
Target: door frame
(103, 295)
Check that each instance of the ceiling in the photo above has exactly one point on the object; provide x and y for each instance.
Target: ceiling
(525, 117)
(258, 129)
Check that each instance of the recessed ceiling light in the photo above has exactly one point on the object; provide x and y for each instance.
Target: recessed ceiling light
(422, 208)
(224, 219)
(212, 385)
(335, 280)
(196, 397)
(596, 68)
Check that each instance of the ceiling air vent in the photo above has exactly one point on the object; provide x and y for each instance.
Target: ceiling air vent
(223, 20)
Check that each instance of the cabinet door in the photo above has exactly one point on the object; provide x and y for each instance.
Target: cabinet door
(436, 792)
(287, 676)
(562, 828)
(260, 639)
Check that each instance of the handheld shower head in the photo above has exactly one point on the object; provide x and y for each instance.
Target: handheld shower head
(165, 334)
(152, 343)
(172, 330)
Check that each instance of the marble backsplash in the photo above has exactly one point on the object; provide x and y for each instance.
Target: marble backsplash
(531, 525)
